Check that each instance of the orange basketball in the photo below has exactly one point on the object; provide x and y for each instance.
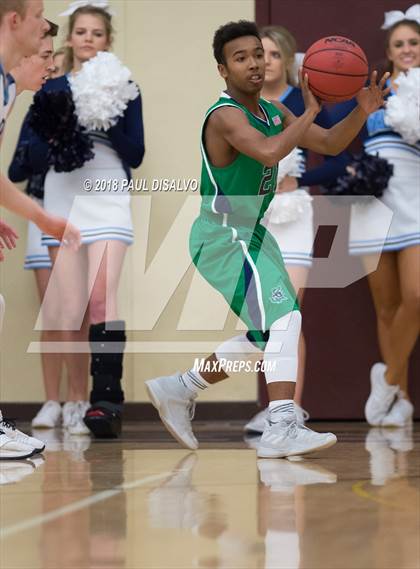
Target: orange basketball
(337, 68)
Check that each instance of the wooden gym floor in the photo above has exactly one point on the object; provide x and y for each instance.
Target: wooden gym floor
(144, 503)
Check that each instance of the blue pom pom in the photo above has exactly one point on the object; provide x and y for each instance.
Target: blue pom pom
(369, 176)
(53, 118)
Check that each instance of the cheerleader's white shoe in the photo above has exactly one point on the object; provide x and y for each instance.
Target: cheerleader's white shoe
(401, 413)
(48, 417)
(382, 396)
(68, 410)
(77, 425)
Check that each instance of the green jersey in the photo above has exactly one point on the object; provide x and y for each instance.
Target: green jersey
(245, 188)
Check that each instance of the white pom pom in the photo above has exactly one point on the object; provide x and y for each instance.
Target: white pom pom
(288, 206)
(297, 64)
(403, 109)
(291, 165)
(101, 91)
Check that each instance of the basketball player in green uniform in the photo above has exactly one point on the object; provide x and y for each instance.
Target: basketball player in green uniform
(243, 139)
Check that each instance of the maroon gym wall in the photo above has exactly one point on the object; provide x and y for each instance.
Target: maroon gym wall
(339, 324)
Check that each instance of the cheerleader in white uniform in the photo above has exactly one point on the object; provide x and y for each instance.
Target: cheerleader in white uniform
(395, 285)
(104, 219)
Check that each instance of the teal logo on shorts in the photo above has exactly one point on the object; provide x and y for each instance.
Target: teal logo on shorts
(277, 295)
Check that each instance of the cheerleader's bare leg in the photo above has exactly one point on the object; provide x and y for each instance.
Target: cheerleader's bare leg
(395, 294)
(105, 262)
(395, 289)
(406, 323)
(52, 363)
(385, 289)
(69, 276)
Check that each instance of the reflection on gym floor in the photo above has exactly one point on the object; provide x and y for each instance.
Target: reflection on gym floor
(109, 504)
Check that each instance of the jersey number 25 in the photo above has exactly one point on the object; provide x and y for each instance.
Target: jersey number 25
(268, 180)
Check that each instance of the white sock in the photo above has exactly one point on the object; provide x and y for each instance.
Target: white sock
(193, 381)
(281, 409)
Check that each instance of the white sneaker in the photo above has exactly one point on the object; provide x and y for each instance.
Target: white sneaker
(67, 411)
(9, 429)
(288, 438)
(175, 404)
(13, 450)
(48, 417)
(77, 426)
(258, 422)
(301, 414)
(401, 413)
(284, 476)
(381, 397)
(252, 440)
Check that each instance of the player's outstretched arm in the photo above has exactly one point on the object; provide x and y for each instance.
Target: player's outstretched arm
(336, 139)
(20, 204)
(231, 124)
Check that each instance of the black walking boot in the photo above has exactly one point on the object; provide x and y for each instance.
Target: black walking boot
(107, 342)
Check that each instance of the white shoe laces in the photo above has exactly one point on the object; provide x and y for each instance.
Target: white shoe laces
(305, 415)
(289, 429)
(8, 424)
(78, 414)
(191, 409)
(292, 430)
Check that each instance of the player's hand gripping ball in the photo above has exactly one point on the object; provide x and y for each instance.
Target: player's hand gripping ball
(337, 68)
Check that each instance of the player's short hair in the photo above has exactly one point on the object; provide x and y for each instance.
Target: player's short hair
(7, 6)
(229, 32)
